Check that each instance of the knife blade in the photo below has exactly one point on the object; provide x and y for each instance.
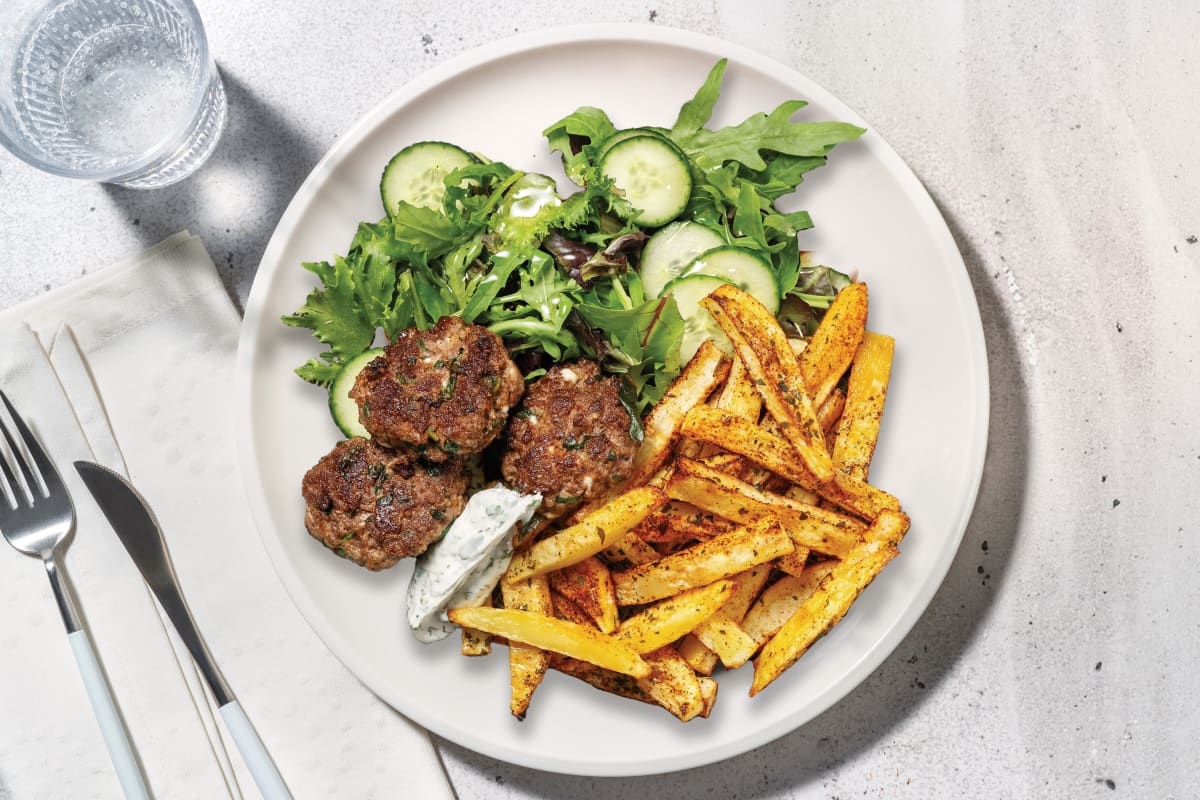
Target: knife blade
(136, 526)
(138, 529)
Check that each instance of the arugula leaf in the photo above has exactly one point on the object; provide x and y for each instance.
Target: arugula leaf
(787, 266)
(489, 284)
(748, 218)
(774, 132)
(782, 174)
(695, 113)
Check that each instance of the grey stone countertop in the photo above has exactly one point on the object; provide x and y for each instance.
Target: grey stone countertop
(1059, 657)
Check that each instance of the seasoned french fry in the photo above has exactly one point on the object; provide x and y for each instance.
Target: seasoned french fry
(589, 585)
(672, 684)
(727, 639)
(702, 660)
(719, 557)
(830, 349)
(708, 695)
(556, 635)
(829, 603)
(566, 608)
(632, 549)
(802, 495)
(669, 620)
(526, 663)
(815, 528)
(760, 445)
(707, 368)
(739, 395)
(602, 528)
(603, 679)
(794, 562)
(830, 413)
(681, 522)
(729, 463)
(858, 429)
(476, 643)
(781, 599)
(764, 349)
(748, 584)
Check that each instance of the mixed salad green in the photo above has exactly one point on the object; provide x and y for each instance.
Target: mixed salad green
(558, 277)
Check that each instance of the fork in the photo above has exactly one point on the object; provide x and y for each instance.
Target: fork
(36, 517)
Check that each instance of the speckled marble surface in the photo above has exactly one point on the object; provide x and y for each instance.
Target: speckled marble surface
(1057, 659)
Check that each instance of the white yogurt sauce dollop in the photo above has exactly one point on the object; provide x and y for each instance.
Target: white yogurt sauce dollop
(464, 567)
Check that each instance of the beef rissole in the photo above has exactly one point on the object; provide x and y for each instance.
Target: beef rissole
(569, 438)
(441, 393)
(376, 506)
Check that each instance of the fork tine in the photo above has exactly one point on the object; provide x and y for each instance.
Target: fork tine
(10, 487)
(48, 474)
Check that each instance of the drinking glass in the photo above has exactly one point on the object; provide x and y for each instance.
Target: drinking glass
(118, 91)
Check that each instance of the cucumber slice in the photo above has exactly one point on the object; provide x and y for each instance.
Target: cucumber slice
(698, 324)
(341, 405)
(669, 251)
(653, 173)
(744, 268)
(417, 174)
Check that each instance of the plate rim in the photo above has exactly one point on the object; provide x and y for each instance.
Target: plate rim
(520, 44)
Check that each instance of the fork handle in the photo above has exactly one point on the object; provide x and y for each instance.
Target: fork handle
(116, 737)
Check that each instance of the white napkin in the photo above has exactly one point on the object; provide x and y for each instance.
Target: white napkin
(133, 367)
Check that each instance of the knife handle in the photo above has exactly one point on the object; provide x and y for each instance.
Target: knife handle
(116, 737)
(258, 760)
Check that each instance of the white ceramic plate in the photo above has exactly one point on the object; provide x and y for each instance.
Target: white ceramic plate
(871, 215)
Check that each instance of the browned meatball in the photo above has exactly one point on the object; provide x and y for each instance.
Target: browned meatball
(442, 392)
(376, 506)
(569, 439)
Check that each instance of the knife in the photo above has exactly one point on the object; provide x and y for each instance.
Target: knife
(138, 530)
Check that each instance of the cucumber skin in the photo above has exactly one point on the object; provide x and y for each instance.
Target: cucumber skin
(340, 402)
(629, 133)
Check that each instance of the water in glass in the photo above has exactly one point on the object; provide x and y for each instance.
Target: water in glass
(115, 90)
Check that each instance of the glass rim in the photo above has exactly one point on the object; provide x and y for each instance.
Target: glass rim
(163, 148)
